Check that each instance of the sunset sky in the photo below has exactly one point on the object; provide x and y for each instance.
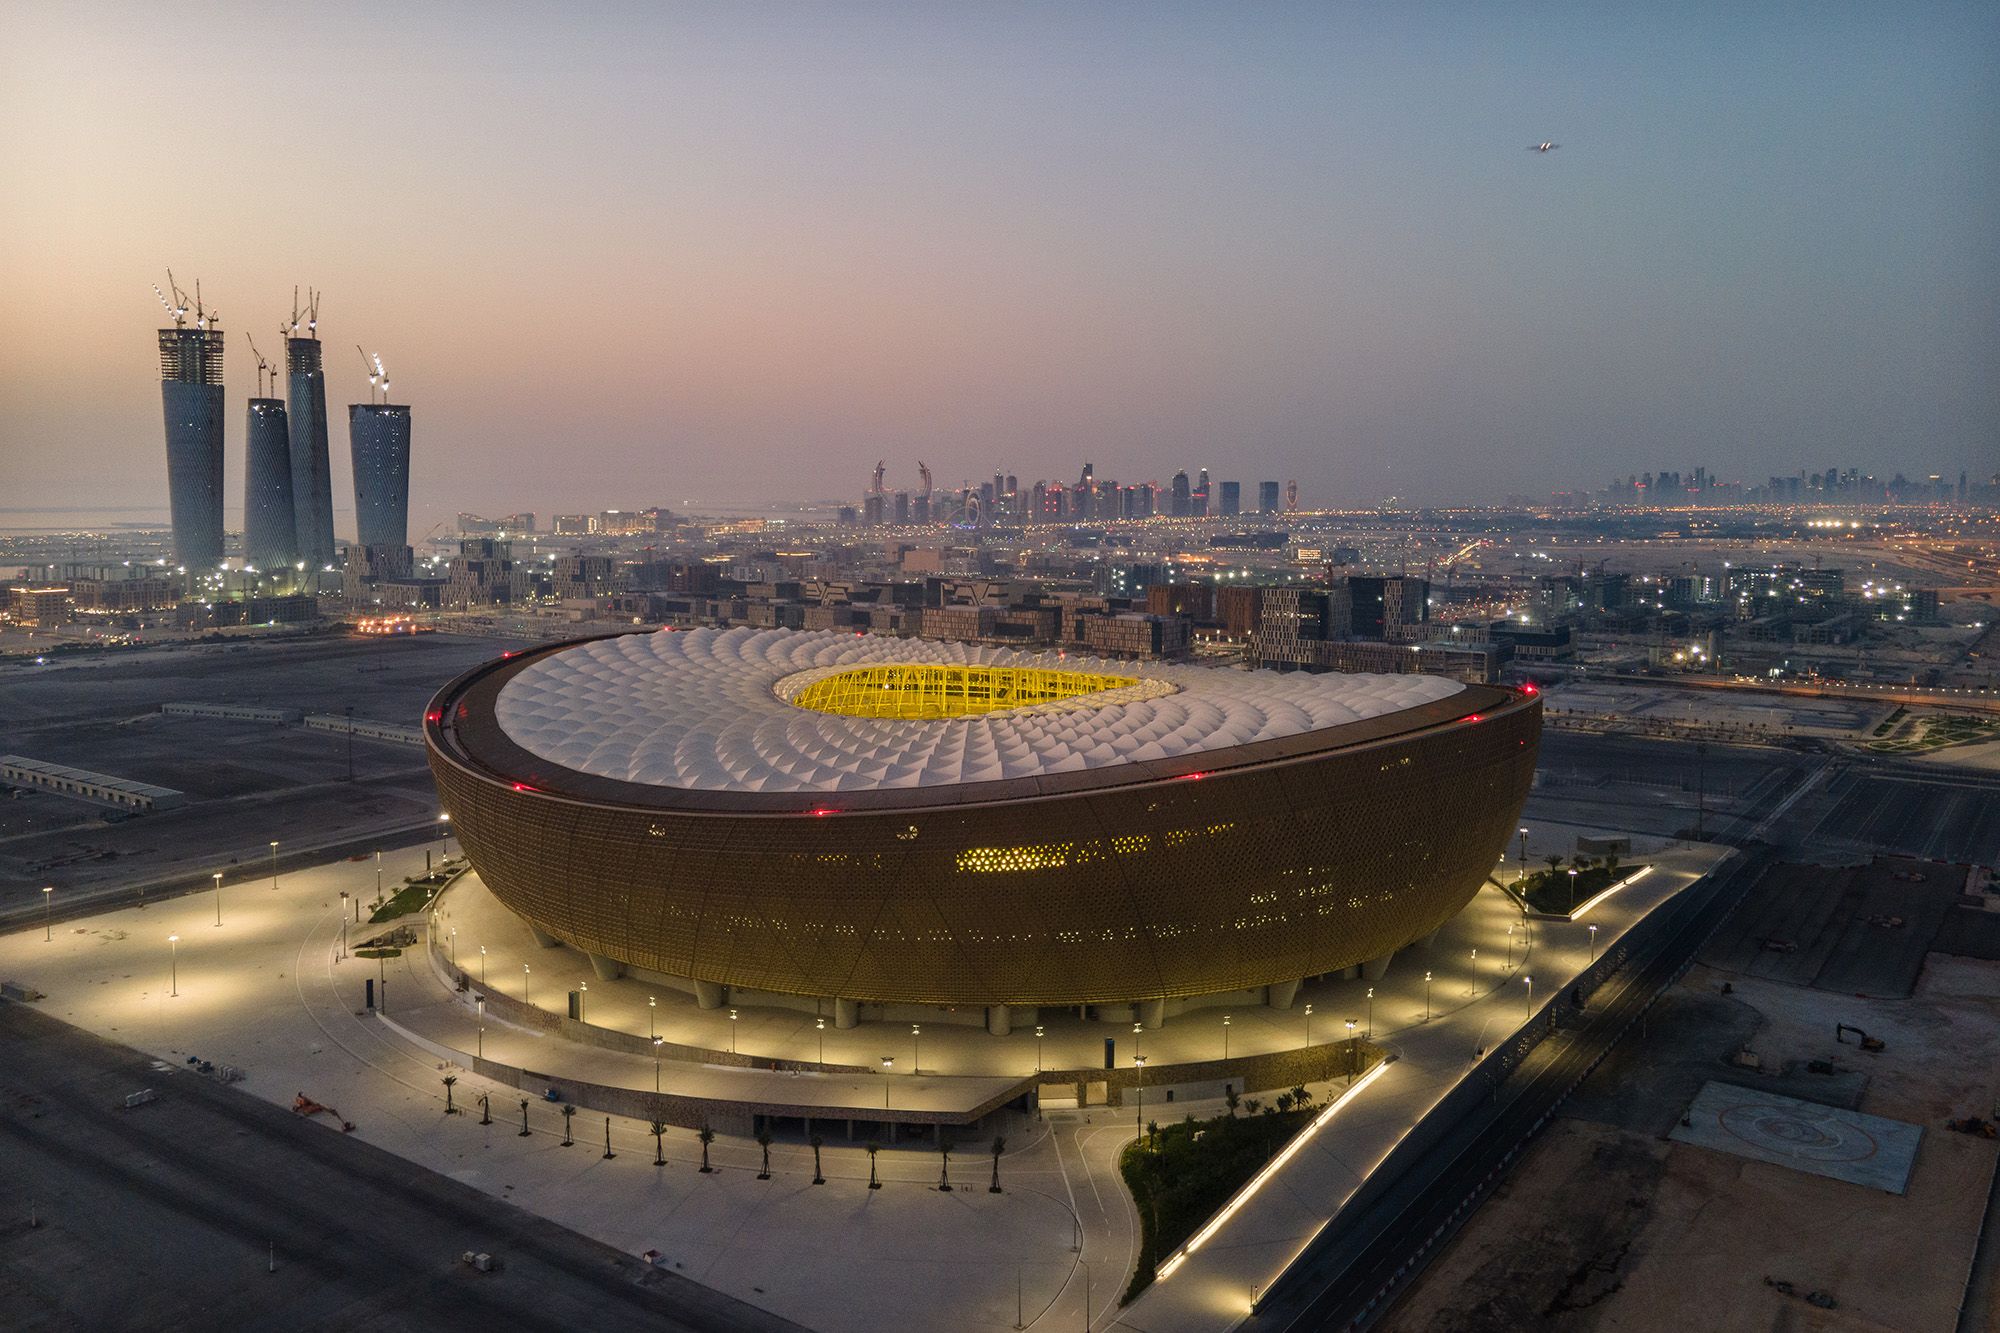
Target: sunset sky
(653, 254)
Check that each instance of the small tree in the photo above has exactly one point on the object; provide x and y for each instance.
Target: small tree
(658, 1125)
(999, 1146)
(1555, 862)
(1302, 1097)
(450, 1082)
(817, 1143)
(567, 1113)
(873, 1183)
(1284, 1103)
(1611, 864)
(1232, 1100)
(944, 1161)
(764, 1142)
(707, 1136)
(1252, 1105)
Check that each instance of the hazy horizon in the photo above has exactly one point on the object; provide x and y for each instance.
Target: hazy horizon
(640, 255)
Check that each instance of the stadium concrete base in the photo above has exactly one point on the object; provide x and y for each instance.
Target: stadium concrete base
(265, 992)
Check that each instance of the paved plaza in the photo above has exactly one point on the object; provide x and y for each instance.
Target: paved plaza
(267, 992)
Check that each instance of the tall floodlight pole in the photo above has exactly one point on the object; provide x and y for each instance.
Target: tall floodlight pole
(217, 877)
(274, 863)
(49, 912)
(173, 965)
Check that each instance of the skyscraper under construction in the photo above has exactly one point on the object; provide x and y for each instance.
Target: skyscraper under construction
(312, 472)
(191, 394)
(270, 525)
(379, 434)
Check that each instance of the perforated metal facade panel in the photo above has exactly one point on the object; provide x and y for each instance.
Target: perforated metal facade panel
(1267, 863)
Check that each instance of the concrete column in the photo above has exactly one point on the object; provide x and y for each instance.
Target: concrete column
(708, 994)
(1282, 993)
(1351, 973)
(1377, 968)
(607, 969)
(998, 1020)
(846, 1013)
(543, 938)
(1151, 1012)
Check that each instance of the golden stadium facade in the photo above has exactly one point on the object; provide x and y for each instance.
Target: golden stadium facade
(896, 821)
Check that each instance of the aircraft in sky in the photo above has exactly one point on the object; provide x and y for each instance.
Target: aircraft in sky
(1542, 147)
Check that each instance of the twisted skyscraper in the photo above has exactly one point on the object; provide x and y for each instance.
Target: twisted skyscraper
(191, 393)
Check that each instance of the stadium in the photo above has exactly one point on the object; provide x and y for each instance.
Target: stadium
(867, 820)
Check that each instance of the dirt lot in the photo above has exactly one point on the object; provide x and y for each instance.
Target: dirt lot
(1604, 1224)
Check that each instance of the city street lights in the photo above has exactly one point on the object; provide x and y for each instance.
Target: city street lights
(378, 877)
(652, 1009)
(1038, 1047)
(479, 1003)
(1529, 982)
(49, 912)
(888, 1067)
(916, 1048)
(524, 983)
(1521, 872)
(1510, 948)
(1139, 1062)
(173, 965)
(1572, 889)
(732, 1032)
(1473, 989)
(1593, 944)
(482, 965)
(444, 836)
(343, 927)
(658, 1042)
(1371, 1013)
(1427, 997)
(1352, 1052)
(454, 946)
(583, 1001)
(1225, 1036)
(274, 863)
(1309, 1025)
(217, 877)
(819, 1024)
(1137, 1029)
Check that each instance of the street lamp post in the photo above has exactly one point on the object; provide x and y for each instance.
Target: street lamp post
(1427, 997)
(343, 928)
(1572, 889)
(582, 1001)
(1593, 944)
(1038, 1047)
(378, 877)
(1309, 1025)
(482, 965)
(444, 836)
(1352, 1051)
(1529, 982)
(888, 1067)
(49, 912)
(480, 1005)
(217, 877)
(454, 946)
(274, 863)
(1139, 1061)
(1510, 948)
(658, 1042)
(1521, 871)
(1371, 1013)
(1473, 989)
(916, 1048)
(732, 1032)
(819, 1024)
(1225, 1036)
(173, 965)
(524, 983)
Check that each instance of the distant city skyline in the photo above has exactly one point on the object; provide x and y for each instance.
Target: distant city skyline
(632, 257)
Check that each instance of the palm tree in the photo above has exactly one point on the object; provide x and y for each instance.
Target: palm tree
(999, 1146)
(873, 1183)
(450, 1081)
(1611, 864)
(944, 1160)
(707, 1136)
(1555, 861)
(1252, 1105)
(1302, 1097)
(567, 1112)
(658, 1125)
(1232, 1101)
(1284, 1103)
(817, 1143)
(764, 1142)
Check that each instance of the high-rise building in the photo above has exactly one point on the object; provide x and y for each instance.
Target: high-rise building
(312, 470)
(191, 394)
(1267, 497)
(270, 525)
(1232, 498)
(379, 436)
(1181, 494)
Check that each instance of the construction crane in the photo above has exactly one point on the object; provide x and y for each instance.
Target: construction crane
(880, 468)
(263, 368)
(306, 315)
(177, 308)
(377, 376)
(202, 318)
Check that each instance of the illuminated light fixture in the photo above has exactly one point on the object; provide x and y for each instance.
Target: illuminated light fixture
(825, 810)
(1271, 1169)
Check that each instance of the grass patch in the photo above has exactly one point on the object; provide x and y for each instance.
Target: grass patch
(414, 896)
(1549, 891)
(1936, 733)
(1181, 1174)
(1889, 722)
(378, 953)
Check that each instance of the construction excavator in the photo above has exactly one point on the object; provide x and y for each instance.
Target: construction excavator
(306, 1106)
(1866, 1042)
